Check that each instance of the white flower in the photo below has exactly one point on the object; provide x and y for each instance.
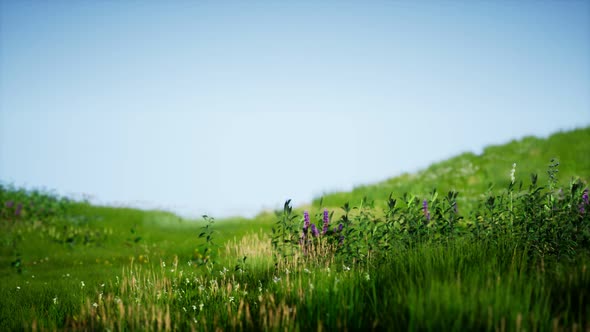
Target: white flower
(367, 277)
(276, 279)
(346, 268)
(231, 299)
(95, 304)
(55, 300)
(82, 284)
(306, 271)
(17, 287)
(163, 264)
(194, 307)
(512, 178)
(201, 305)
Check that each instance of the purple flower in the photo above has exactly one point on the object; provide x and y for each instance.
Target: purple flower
(425, 210)
(9, 204)
(314, 230)
(19, 207)
(339, 228)
(582, 206)
(326, 221)
(305, 223)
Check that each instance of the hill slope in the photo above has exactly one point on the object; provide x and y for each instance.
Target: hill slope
(472, 174)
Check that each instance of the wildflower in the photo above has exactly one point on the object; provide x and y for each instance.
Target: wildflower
(425, 210)
(95, 304)
(55, 300)
(512, 178)
(306, 271)
(346, 268)
(305, 221)
(19, 207)
(276, 279)
(326, 221)
(201, 305)
(314, 230)
(9, 204)
(17, 287)
(585, 202)
(82, 284)
(231, 299)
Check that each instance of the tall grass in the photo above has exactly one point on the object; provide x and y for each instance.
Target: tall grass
(515, 259)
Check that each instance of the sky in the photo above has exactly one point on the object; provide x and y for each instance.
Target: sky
(230, 107)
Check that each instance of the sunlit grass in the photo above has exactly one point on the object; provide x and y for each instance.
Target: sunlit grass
(515, 258)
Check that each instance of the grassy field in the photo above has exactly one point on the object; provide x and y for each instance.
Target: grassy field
(512, 255)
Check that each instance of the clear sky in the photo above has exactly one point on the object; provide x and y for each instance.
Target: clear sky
(226, 108)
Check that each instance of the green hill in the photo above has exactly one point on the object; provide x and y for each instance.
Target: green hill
(68, 265)
(472, 174)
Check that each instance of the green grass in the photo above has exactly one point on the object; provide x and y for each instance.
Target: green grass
(472, 174)
(512, 265)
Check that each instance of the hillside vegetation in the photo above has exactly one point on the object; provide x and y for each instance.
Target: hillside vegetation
(492, 249)
(472, 175)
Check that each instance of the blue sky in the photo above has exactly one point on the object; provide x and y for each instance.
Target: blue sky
(226, 108)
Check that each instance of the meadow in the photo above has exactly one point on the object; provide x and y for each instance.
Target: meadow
(492, 242)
